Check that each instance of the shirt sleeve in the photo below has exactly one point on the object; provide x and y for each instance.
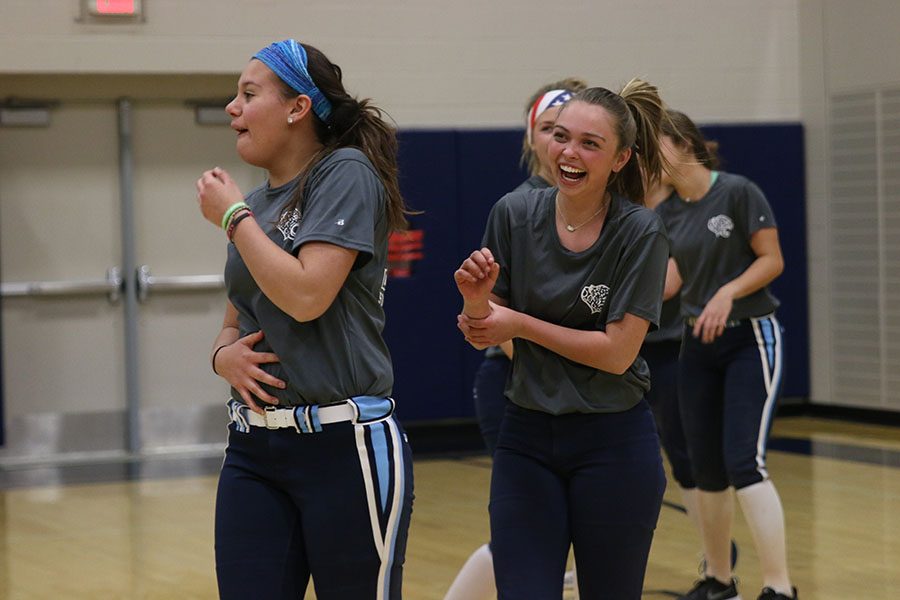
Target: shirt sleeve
(497, 240)
(639, 285)
(755, 212)
(342, 207)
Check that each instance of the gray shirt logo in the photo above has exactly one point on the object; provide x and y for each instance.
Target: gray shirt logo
(721, 225)
(595, 296)
(288, 224)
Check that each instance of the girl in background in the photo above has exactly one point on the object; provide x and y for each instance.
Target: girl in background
(724, 240)
(661, 350)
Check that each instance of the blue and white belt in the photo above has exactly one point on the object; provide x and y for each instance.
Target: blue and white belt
(311, 417)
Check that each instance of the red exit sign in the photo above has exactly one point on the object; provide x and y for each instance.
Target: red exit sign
(125, 8)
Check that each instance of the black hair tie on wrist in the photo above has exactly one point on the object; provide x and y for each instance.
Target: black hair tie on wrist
(213, 361)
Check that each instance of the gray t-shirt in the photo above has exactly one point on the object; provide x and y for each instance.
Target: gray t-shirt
(671, 323)
(623, 272)
(710, 240)
(535, 182)
(341, 354)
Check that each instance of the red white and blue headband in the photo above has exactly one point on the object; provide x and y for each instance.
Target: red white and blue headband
(549, 100)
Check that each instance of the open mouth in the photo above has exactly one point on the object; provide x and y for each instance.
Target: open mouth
(573, 174)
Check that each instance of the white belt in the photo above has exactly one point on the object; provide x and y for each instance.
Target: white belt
(280, 418)
(309, 418)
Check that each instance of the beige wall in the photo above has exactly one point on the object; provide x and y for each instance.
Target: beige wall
(813, 96)
(861, 43)
(430, 64)
(461, 63)
(849, 47)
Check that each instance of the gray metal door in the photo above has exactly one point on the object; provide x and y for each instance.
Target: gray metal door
(111, 281)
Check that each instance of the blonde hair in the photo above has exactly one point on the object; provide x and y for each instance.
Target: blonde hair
(572, 84)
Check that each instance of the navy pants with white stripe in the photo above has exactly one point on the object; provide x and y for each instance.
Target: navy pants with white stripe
(334, 505)
(594, 481)
(728, 391)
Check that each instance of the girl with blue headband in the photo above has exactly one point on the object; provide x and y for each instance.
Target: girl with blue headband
(317, 479)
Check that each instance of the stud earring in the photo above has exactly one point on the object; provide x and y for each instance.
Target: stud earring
(290, 120)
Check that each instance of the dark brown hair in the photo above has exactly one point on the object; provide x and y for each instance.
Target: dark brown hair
(352, 123)
(685, 133)
(638, 112)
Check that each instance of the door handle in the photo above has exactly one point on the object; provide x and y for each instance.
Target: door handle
(111, 286)
(146, 282)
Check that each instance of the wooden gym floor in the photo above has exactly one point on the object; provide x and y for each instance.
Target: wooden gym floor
(73, 533)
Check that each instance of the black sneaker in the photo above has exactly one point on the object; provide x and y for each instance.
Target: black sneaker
(770, 594)
(711, 588)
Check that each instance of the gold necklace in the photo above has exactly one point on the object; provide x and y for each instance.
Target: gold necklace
(572, 228)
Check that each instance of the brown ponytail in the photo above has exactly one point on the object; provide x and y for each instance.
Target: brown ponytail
(357, 124)
(638, 111)
(685, 133)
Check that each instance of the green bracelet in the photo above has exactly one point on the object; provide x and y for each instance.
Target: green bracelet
(233, 209)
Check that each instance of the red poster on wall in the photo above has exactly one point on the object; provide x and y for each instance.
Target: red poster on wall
(115, 7)
(404, 249)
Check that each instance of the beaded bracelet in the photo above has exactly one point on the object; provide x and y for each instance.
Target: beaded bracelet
(236, 218)
(230, 212)
(231, 217)
(227, 227)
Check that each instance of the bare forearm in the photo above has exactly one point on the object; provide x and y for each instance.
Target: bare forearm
(758, 275)
(476, 310)
(595, 349)
(673, 281)
(228, 335)
(230, 331)
(279, 275)
(482, 308)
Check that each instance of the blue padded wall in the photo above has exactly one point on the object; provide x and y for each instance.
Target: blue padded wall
(489, 168)
(421, 310)
(455, 176)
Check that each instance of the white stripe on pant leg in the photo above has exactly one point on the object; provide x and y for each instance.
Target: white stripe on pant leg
(772, 380)
(387, 558)
(370, 486)
(384, 546)
(763, 355)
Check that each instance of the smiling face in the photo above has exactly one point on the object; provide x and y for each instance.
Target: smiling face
(585, 150)
(540, 140)
(259, 114)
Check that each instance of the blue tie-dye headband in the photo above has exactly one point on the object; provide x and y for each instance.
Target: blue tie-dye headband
(288, 60)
